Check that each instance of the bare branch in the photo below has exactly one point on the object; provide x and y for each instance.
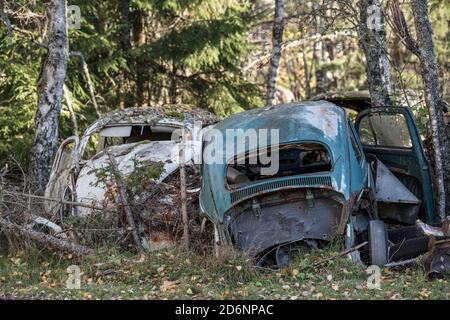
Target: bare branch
(45, 239)
(69, 104)
(87, 75)
(118, 180)
(398, 23)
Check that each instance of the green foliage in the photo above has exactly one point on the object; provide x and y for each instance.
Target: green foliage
(194, 47)
(136, 182)
(18, 99)
(188, 52)
(142, 174)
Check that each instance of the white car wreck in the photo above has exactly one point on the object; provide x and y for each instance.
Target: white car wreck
(144, 134)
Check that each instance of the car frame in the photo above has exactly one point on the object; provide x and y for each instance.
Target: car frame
(74, 175)
(272, 217)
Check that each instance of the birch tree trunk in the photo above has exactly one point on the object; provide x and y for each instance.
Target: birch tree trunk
(277, 41)
(430, 74)
(184, 213)
(50, 92)
(373, 42)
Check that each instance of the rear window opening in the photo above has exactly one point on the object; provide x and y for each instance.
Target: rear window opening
(298, 159)
(118, 135)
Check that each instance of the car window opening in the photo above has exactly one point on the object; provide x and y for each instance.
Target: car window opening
(137, 133)
(385, 130)
(298, 159)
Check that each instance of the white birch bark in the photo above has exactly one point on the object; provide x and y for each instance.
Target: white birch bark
(373, 42)
(50, 92)
(430, 74)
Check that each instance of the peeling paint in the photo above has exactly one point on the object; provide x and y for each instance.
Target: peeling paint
(80, 175)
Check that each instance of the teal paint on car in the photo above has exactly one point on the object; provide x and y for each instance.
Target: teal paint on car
(327, 178)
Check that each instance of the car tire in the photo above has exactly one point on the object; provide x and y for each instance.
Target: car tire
(378, 243)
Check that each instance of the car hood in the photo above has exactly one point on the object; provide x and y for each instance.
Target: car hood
(90, 190)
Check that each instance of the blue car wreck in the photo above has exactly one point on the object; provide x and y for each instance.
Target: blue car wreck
(324, 185)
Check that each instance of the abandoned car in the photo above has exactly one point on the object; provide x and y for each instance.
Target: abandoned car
(147, 135)
(334, 178)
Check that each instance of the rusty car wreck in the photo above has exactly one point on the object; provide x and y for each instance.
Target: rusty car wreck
(335, 177)
(147, 135)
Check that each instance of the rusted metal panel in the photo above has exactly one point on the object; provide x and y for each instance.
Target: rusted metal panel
(395, 201)
(286, 222)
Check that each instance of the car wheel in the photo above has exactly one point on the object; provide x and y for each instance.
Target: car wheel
(378, 243)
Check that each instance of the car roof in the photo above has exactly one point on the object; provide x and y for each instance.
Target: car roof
(300, 121)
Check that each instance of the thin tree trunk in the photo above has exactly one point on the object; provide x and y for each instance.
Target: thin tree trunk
(430, 73)
(173, 95)
(184, 213)
(125, 45)
(277, 42)
(89, 83)
(125, 41)
(424, 49)
(318, 53)
(140, 66)
(373, 42)
(306, 73)
(50, 91)
(318, 72)
(118, 180)
(69, 104)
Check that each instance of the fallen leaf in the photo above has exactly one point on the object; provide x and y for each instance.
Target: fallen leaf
(168, 285)
(87, 295)
(318, 295)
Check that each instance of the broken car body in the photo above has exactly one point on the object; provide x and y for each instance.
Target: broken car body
(334, 178)
(147, 135)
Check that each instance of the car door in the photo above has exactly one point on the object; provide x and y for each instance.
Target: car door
(61, 181)
(392, 136)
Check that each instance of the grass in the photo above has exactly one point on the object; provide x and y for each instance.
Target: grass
(175, 274)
